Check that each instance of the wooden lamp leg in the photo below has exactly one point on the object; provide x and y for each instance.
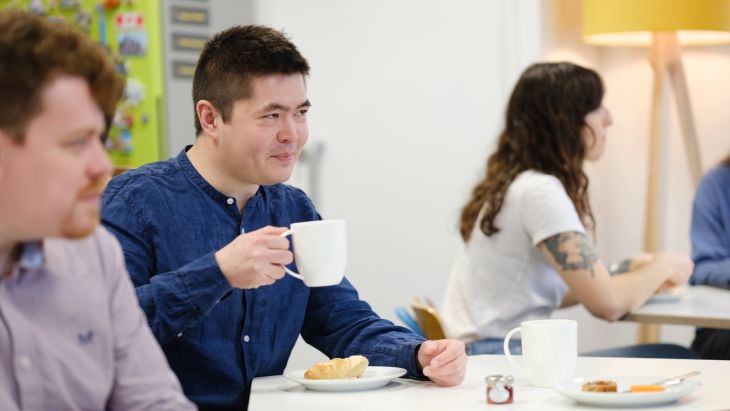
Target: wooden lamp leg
(660, 54)
(686, 120)
(665, 58)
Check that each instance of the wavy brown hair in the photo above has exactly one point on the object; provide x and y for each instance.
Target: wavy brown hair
(543, 132)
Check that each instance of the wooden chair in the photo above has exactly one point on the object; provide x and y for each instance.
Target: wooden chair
(428, 320)
(119, 170)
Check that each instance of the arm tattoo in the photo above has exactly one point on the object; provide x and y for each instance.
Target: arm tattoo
(572, 251)
(621, 267)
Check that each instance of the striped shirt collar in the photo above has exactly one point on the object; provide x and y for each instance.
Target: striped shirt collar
(31, 255)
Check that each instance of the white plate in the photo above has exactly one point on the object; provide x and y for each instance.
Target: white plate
(373, 377)
(572, 390)
(668, 296)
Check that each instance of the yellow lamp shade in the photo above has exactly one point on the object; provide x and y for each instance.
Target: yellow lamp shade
(631, 22)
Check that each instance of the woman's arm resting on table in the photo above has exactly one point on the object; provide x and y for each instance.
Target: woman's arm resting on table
(590, 283)
(621, 267)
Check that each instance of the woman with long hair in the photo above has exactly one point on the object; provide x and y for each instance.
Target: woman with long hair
(528, 226)
(710, 232)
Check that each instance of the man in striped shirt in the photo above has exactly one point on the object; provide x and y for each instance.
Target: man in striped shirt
(72, 336)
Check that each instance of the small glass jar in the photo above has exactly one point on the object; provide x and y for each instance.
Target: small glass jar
(499, 389)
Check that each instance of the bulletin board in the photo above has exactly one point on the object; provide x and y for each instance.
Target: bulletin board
(130, 30)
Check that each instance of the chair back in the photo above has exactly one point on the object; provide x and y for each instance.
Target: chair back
(119, 170)
(407, 319)
(428, 320)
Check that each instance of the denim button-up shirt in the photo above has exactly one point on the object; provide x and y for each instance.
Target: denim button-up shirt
(170, 222)
(710, 229)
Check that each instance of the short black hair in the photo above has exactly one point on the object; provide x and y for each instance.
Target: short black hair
(232, 58)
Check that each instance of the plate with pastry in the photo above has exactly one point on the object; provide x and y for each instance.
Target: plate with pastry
(344, 374)
(621, 391)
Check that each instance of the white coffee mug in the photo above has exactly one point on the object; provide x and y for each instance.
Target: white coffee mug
(549, 350)
(320, 251)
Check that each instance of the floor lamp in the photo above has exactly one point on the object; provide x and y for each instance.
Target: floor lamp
(664, 26)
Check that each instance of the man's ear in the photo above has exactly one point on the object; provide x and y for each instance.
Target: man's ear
(208, 116)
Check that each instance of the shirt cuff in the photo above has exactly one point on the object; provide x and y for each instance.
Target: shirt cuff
(407, 358)
(204, 282)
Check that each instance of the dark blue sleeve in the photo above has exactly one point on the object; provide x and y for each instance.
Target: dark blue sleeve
(175, 300)
(339, 324)
(710, 233)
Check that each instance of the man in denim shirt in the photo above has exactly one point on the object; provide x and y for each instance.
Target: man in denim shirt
(201, 237)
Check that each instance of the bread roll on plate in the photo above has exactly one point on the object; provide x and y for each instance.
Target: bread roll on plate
(600, 386)
(338, 368)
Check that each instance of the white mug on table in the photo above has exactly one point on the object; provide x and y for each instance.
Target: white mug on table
(549, 350)
(320, 251)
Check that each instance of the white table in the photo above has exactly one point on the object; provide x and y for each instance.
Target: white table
(701, 306)
(278, 393)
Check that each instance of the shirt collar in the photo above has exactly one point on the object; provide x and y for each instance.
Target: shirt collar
(189, 169)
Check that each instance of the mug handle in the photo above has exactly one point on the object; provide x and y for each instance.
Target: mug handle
(288, 271)
(506, 346)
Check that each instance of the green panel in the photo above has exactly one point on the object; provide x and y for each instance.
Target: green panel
(142, 139)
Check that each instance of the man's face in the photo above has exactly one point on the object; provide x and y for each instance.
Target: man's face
(266, 132)
(50, 184)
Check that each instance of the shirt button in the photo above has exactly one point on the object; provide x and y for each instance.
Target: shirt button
(245, 338)
(24, 362)
(179, 335)
(230, 201)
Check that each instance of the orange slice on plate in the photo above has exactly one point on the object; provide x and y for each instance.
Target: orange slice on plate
(647, 388)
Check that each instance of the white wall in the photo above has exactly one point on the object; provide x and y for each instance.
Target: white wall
(178, 92)
(407, 97)
(618, 180)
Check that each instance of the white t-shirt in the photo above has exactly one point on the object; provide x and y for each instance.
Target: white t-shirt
(497, 282)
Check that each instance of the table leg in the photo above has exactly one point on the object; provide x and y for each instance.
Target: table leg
(648, 333)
